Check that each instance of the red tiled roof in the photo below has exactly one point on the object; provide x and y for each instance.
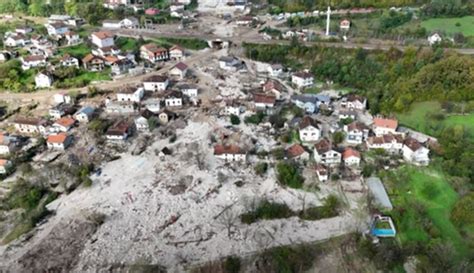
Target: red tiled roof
(65, 121)
(386, 123)
(89, 57)
(350, 152)
(227, 149)
(59, 138)
(264, 98)
(103, 35)
(303, 74)
(176, 47)
(323, 146)
(153, 48)
(181, 66)
(413, 144)
(272, 84)
(29, 121)
(33, 58)
(295, 150)
(356, 126)
(308, 121)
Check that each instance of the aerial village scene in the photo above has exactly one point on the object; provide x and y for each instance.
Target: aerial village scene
(236, 136)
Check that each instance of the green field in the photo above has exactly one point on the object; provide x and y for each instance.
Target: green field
(411, 188)
(417, 118)
(78, 51)
(448, 25)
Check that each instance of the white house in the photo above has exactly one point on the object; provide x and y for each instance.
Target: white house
(174, 99)
(141, 122)
(32, 61)
(230, 153)
(263, 101)
(384, 126)
(63, 124)
(274, 87)
(356, 132)
(84, 114)
(325, 154)
(189, 90)
(156, 83)
(434, 38)
(57, 29)
(72, 38)
(415, 153)
(129, 22)
(297, 152)
(15, 40)
(68, 60)
(7, 144)
(302, 79)
(119, 131)
(390, 143)
(152, 104)
(176, 53)
(354, 102)
(351, 157)
(345, 114)
(23, 30)
(29, 125)
(43, 80)
(58, 141)
(345, 24)
(275, 70)
(232, 108)
(179, 71)
(309, 129)
(229, 63)
(153, 53)
(102, 39)
(131, 94)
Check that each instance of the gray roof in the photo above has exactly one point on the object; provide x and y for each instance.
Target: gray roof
(323, 98)
(88, 110)
(378, 191)
(305, 98)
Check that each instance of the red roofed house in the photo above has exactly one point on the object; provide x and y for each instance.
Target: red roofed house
(59, 141)
(179, 71)
(309, 129)
(274, 87)
(176, 53)
(383, 126)
(93, 63)
(229, 152)
(263, 101)
(5, 165)
(351, 157)
(153, 53)
(302, 79)
(345, 24)
(119, 131)
(29, 125)
(297, 151)
(415, 153)
(64, 124)
(390, 143)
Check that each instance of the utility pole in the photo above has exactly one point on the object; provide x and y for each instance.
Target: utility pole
(328, 20)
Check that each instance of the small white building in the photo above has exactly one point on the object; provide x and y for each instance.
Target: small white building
(43, 80)
(68, 61)
(174, 99)
(302, 79)
(32, 61)
(111, 24)
(189, 90)
(354, 102)
(275, 70)
(102, 39)
(322, 173)
(356, 133)
(351, 157)
(176, 53)
(58, 141)
(434, 38)
(384, 126)
(390, 143)
(179, 71)
(129, 22)
(156, 83)
(231, 153)
(85, 114)
(309, 129)
(16, 40)
(345, 24)
(119, 131)
(229, 63)
(57, 29)
(325, 154)
(72, 38)
(131, 94)
(415, 153)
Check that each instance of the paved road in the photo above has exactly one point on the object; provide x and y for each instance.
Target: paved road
(253, 37)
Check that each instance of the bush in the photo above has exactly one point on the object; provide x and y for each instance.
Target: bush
(235, 120)
(338, 137)
(255, 119)
(267, 210)
(289, 258)
(232, 264)
(278, 153)
(463, 211)
(288, 174)
(261, 168)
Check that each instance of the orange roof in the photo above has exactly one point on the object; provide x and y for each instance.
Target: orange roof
(65, 121)
(59, 138)
(3, 162)
(295, 150)
(227, 149)
(111, 59)
(386, 123)
(103, 35)
(176, 47)
(264, 98)
(350, 152)
(153, 48)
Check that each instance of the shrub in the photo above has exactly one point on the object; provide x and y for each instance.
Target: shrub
(278, 153)
(235, 120)
(261, 168)
(255, 119)
(232, 264)
(267, 210)
(338, 137)
(288, 174)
